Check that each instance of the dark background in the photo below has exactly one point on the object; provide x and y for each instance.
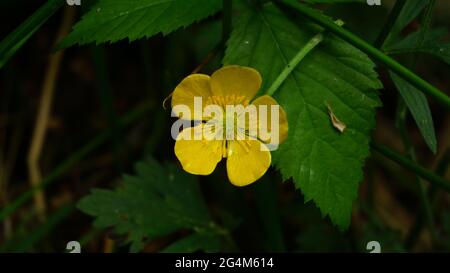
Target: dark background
(145, 72)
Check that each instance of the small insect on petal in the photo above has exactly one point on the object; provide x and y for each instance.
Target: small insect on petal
(335, 121)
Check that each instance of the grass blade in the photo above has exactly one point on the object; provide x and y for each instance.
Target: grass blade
(130, 117)
(418, 106)
(20, 35)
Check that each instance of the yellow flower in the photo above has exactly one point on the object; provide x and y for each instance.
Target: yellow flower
(247, 160)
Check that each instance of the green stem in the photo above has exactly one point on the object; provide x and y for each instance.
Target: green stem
(414, 233)
(16, 39)
(412, 166)
(370, 50)
(312, 43)
(71, 161)
(399, 4)
(294, 62)
(427, 210)
(265, 198)
(427, 215)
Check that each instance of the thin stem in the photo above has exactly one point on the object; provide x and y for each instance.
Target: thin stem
(312, 43)
(71, 161)
(427, 210)
(294, 62)
(414, 233)
(373, 52)
(44, 113)
(16, 39)
(401, 116)
(412, 166)
(399, 4)
(264, 195)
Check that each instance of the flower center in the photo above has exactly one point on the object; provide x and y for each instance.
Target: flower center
(231, 126)
(232, 108)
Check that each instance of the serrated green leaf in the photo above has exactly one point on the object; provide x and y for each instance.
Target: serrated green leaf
(432, 44)
(114, 20)
(324, 163)
(411, 41)
(158, 201)
(410, 11)
(418, 106)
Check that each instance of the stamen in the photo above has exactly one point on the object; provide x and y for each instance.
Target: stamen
(224, 149)
(229, 100)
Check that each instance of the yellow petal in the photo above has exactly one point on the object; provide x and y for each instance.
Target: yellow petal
(195, 85)
(196, 153)
(283, 122)
(247, 161)
(236, 80)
